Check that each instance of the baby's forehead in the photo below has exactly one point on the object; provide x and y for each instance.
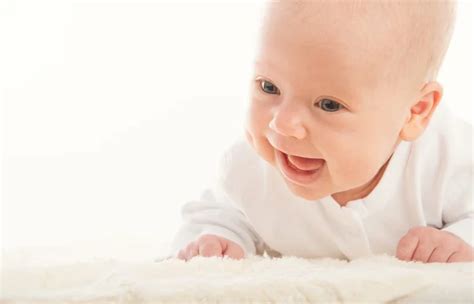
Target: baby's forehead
(375, 33)
(339, 22)
(317, 49)
(335, 29)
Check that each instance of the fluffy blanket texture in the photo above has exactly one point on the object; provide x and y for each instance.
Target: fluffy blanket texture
(378, 279)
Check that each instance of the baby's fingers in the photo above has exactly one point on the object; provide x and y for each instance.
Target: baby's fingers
(209, 246)
(189, 252)
(440, 255)
(406, 247)
(234, 251)
(466, 255)
(423, 252)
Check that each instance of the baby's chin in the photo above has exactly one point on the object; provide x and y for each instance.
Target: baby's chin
(306, 193)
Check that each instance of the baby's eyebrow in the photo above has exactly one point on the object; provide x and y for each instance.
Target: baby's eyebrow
(260, 63)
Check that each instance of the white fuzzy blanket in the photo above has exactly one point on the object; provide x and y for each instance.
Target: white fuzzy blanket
(254, 280)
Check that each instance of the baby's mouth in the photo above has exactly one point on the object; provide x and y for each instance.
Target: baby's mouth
(299, 170)
(303, 163)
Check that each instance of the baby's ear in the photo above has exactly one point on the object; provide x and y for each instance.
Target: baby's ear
(421, 111)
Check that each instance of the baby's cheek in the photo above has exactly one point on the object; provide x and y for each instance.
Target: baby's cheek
(351, 170)
(265, 150)
(258, 117)
(257, 127)
(249, 138)
(261, 145)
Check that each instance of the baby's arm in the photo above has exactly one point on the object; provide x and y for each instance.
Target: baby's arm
(454, 241)
(218, 212)
(213, 226)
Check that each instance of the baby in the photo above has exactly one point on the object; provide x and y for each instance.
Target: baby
(347, 153)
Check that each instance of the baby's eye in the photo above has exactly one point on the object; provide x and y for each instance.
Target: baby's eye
(329, 105)
(269, 87)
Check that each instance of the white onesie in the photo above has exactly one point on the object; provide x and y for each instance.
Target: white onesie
(428, 182)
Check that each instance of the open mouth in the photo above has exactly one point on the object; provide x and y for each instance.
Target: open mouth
(299, 170)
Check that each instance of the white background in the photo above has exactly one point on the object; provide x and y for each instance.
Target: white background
(113, 113)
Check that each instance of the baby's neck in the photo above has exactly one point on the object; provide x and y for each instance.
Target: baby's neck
(342, 198)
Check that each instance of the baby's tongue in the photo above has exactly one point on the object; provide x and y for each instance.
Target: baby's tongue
(306, 164)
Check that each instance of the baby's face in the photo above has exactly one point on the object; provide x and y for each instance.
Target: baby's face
(318, 95)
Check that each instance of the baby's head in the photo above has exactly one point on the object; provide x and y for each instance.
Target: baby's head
(340, 84)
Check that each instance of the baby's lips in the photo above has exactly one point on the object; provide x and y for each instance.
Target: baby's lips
(304, 163)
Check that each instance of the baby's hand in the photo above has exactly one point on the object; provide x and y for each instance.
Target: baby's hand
(211, 245)
(430, 245)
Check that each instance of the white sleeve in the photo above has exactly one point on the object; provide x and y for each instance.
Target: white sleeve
(217, 212)
(458, 217)
(462, 229)
(458, 213)
(217, 216)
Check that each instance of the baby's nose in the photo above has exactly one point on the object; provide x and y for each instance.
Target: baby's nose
(289, 123)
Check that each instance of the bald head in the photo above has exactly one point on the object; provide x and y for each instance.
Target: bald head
(405, 39)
